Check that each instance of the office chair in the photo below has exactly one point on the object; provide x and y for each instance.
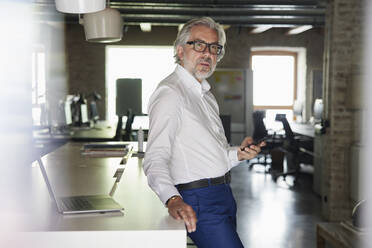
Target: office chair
(293, 146)
(118, 133)
(127, 136)
(128, 126)
(259, 131)
(93, 110)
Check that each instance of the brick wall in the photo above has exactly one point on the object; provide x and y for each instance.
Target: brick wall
(85, 64)
(342, 58)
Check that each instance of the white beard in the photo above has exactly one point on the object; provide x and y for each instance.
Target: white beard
(199, 75)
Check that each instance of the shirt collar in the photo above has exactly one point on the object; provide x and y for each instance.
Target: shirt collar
(191, 82)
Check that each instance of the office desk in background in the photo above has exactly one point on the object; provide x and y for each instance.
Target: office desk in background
(94, 134)
(305, 129)
(47, 140)
(314, 132)
(305, 133)
(105, 131)
(100, 132)
(144, 222)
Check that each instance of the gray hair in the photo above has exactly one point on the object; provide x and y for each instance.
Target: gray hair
(184, 34)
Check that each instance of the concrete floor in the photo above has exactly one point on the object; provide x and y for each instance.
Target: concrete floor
(274, 214)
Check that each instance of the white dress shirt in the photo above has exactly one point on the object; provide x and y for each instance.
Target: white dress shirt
(186, 140)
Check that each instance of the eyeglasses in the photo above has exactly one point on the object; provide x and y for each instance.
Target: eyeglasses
(200, 46)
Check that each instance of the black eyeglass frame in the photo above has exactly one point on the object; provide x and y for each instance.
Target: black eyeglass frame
(219, 47)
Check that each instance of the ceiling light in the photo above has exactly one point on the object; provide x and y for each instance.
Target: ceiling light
(260, 29)
(104, 26)
(80, 6)
(299, 29)
(145, 27)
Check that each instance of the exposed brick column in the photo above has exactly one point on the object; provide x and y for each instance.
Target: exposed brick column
(86, 65)
(342, 46)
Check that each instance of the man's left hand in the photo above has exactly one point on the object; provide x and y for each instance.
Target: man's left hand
(247, 150)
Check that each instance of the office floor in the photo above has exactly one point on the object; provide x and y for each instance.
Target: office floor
(274, 214)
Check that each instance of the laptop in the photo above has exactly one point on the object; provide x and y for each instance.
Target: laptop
(83, 203)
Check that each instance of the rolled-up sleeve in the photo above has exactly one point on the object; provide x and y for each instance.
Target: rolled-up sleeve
(165, 111)
(232, 153)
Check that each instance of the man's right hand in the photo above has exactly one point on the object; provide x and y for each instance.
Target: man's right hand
(178, 209)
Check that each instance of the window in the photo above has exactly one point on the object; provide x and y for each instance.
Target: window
(274, 82)
(150, 63)
(38, 86)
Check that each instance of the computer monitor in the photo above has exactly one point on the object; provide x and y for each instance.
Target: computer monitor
(128, 96)
(279, 117)
(318, 109)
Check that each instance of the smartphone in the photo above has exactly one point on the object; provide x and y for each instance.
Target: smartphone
(257, 142)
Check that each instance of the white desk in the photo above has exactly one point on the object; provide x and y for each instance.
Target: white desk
(306, 129)
(144, 222)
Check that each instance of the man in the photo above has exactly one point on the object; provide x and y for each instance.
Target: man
(188, 159)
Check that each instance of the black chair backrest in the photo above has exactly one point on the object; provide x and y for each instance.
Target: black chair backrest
(287, 128)
(259, 128)
(290, 142)
(119, 126)
(128, 126)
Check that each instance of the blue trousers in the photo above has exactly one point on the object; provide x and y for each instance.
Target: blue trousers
(215, 209)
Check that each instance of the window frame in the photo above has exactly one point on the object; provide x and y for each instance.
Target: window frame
(277, 53)
(38, 80)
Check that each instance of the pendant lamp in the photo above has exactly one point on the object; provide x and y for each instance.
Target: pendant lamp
(104, 26)
(80, 6)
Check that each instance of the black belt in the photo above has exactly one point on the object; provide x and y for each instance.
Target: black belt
(225, 179)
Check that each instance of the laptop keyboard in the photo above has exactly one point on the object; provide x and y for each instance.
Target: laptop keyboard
(76, 203)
